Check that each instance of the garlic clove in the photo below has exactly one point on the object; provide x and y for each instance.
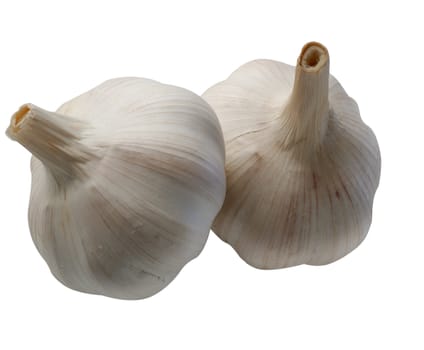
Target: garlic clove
(302, 168)
(126, 181)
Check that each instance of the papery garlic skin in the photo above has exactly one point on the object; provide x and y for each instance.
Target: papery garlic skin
(302, 167)
(126, 181)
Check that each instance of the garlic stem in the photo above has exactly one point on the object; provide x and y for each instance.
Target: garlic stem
(306, 113)
(55, 139)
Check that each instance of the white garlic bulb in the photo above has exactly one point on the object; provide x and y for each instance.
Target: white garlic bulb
(126, 181)
(302, 168)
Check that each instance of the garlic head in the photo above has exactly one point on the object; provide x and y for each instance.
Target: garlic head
(126, 181)
(302, 167)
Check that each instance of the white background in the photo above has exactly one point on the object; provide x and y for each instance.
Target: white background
(51, 51)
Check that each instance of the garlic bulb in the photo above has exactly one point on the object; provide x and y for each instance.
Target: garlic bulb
(126, 181)
(302, 168)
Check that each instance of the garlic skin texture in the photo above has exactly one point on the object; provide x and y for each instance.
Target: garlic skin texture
(126, 181)
(302, 168)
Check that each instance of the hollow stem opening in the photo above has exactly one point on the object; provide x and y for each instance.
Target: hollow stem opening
(313, 57)
(19, 117)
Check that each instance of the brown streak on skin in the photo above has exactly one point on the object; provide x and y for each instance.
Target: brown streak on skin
(345, 190)
(290, 221)
(329, 197)
(337, 194)
(315, 187)
(257, 156)
(315, 181)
